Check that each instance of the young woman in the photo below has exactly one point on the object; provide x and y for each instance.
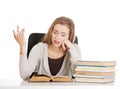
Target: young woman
(56, 55)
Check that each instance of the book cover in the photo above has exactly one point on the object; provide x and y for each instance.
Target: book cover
(97, 63)
(92, 68)
(94, 80)
(93, 76)
(95, 73)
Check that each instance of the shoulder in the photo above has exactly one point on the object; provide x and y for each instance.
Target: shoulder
(76, 46)
(40, 46)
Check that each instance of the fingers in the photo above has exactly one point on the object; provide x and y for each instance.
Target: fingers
(23, 31)
(66, 44)
(15, 35)
(17, 29)
(63, 46)
(19, 34)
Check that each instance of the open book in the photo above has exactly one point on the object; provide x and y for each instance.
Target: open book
(45, 78)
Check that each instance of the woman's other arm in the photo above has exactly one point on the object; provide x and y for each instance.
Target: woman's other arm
(26, 65)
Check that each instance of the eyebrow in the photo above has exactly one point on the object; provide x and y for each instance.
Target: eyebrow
(61, 32)
(64, 33)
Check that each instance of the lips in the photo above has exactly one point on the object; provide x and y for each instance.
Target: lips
(56, 42)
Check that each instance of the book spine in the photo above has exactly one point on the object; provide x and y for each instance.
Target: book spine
(97, 63)
(93, 68)
(93, 76)
(93, 80)
(94, 73)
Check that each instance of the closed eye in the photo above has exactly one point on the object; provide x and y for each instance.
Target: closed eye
(55, 32)
(63, 35)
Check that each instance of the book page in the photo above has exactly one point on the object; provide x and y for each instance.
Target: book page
(61, 79)
(39, 78)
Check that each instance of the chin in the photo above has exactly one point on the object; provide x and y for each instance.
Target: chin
(56, 45)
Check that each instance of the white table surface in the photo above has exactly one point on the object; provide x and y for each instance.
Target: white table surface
(19, 84)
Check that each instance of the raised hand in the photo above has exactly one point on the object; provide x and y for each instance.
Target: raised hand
(66, 45)
(19, 37)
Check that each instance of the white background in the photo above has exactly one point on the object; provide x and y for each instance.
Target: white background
(97, 24)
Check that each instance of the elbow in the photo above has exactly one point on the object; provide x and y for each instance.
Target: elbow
(74, 61)
(24, 76)
(24, 72)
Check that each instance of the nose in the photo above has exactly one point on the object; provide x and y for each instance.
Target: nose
(57, 36)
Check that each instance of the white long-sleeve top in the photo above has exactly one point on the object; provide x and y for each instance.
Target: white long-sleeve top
(38, 60)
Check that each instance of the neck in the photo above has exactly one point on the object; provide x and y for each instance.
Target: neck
(55, 49)
(54, 52)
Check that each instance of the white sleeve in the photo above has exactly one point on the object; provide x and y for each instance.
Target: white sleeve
(28, 65)
(75, 54)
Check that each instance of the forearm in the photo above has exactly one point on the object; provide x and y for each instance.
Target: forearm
(22, 50)
(75, 54)
(24, 68)
(28, 65)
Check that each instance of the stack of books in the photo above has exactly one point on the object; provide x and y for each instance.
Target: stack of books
(95, 71)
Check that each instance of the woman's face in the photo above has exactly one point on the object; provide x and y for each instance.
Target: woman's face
(59, 34)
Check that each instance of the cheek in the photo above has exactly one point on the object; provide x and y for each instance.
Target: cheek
(67, 37)
(53, 37)
(64, 38)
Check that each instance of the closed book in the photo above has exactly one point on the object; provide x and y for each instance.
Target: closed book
(93, 76)
(95, 73)
(93, 80)
(87, 68)
(97, 63)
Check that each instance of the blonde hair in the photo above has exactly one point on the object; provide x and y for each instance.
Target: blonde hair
(63, 21)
